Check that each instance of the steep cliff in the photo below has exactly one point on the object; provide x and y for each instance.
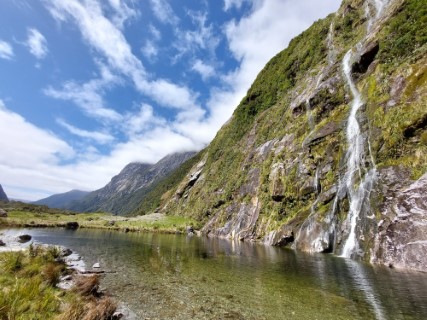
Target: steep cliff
(328, 150)
(124, 193)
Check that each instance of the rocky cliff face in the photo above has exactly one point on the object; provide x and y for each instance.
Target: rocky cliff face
(328, 150)
(126, 190)
(3, 196)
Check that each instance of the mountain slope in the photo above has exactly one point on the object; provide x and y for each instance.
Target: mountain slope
(126, 190)
(328, 150)
(3, 196)
(62, 200)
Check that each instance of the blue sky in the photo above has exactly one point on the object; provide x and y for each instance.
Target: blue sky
(87, 86)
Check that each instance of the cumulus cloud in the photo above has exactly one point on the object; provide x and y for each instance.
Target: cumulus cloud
(99, 137)
(6, 50)
(37, 43)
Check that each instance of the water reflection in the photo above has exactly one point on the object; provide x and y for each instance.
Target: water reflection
(178, 277)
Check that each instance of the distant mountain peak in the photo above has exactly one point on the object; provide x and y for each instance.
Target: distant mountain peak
(3, 196)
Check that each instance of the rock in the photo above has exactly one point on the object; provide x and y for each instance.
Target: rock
(402, 237)
(96, 265)
(66, 252)
(2, 244)
(321, 133)
(111, 223)
(127, 230)
(3, 213)
(71, 225)
(117, 315)
(189, 230)
(366, 58)
(24, 238)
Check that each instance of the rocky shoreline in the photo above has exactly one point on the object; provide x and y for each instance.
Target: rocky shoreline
(77, 270)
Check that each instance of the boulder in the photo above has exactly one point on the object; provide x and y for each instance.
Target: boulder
(96, 265)
(2, 244)
(111, 223)
(3, 213)
(24, 238)
(71, 225)
(66, 252)
(189, 230)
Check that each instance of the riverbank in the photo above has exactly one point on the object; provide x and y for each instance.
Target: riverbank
(33, 282)
(155, 222)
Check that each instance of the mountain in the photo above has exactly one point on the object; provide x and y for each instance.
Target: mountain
(62, 200)
(126, 190)
(3, 196)
(328, 150)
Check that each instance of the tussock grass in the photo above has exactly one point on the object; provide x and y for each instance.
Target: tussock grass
(87, 285)
(28, 289)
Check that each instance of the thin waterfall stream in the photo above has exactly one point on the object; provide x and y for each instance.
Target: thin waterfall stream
(356, 147)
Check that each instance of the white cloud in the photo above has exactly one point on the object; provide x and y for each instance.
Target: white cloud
(206, 71)
(99, 137)
(228, 4)
(6, 50)
(88, 96)
(201, 37)
(122, 12)
(252, 40)
(142, 121)
(37, 43)
(155, 32)
(164, 12)
(150, 50)
(102, 35)
(15, 146)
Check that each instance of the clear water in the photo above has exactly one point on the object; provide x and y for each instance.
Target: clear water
(178, 277)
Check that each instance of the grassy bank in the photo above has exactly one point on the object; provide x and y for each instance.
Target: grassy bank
(28, 289)
(153, 222)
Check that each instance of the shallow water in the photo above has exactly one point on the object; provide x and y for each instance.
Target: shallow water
(178, 277)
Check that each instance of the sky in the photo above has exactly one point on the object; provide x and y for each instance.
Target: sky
(88, 86)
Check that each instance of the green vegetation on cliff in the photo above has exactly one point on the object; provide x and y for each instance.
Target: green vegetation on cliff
(281, 156)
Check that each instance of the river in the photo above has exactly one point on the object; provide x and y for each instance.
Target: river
(160, 276)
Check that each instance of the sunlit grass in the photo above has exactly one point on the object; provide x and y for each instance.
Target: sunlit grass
(155, 222)
(28, 289)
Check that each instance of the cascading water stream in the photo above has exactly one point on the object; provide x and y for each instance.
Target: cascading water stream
(356, 152)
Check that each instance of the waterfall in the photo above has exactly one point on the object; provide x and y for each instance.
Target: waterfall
(356, 148)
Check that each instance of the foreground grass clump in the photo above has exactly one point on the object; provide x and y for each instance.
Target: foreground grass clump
(28, 289)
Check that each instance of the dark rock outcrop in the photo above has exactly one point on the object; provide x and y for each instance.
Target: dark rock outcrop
(24, 238)
(72, 225)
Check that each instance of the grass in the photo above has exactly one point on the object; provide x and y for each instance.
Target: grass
(28, 289)
(153, 222)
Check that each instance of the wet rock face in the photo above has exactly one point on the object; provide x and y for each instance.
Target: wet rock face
(401, 240)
